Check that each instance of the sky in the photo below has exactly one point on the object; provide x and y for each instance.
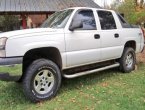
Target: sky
(101, 2)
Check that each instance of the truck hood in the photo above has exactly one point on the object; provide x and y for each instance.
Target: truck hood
(29, 32)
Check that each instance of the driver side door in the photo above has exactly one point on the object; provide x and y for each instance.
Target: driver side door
(83, 44)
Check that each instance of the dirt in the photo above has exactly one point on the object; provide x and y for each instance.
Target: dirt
(141, 57)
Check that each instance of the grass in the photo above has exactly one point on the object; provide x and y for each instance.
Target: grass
(107, 90)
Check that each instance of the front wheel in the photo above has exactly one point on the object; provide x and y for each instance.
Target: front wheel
(128, 60)
(42, 80)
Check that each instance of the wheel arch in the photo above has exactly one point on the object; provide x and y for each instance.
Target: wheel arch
(51, 53)
(131, 44)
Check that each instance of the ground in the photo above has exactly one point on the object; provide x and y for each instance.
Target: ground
(106, 90)
(141, 57)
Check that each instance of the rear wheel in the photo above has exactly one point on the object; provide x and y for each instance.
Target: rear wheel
(42, 80)
(128, 60)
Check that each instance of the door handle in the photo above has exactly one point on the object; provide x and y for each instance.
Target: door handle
(116, 35)
(97, 36)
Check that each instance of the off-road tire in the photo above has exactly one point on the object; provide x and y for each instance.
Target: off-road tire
(124, 67)
(33, 71)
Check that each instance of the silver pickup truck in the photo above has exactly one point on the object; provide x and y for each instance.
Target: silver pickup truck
(71, 43)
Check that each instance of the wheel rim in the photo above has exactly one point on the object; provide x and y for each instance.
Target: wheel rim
(129, 60)
(44, 81)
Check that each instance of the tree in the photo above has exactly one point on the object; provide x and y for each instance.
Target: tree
(139, 3)
(132, 14)
(136, 3)
(9, 22)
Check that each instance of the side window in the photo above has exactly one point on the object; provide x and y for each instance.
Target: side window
(121, 19)
(87, 17)
(123, 22)
(106, 20)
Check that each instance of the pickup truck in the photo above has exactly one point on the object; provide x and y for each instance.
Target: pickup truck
(70, 43)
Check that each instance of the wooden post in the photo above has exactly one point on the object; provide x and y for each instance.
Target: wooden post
(24, 22)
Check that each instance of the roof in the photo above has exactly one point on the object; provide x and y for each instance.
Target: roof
(38, 6)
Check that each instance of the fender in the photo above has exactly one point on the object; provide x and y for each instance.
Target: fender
(25, 44)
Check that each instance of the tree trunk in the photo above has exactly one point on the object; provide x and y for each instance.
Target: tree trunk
(141, 3)
(136, 4)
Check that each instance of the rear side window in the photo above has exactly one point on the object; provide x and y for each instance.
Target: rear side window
(123, 22)
(121, 19)
(87, 17)
(106, 20)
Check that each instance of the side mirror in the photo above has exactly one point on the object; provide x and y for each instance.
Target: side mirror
(76, 24)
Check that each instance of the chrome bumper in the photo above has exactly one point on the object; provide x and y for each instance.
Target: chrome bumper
(11, 69)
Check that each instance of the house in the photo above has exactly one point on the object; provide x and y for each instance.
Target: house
(33, 12)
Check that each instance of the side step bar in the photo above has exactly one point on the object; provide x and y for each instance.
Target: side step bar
(91, 71)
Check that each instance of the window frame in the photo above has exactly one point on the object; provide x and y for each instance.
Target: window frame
(116, 27)
(79, 10)
(124, 25)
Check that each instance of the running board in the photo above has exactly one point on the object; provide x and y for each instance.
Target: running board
(90, 71)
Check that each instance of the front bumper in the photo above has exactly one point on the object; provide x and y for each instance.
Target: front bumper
(11, 68)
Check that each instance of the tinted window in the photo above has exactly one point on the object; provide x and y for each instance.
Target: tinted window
(106, 20)
(121, 19)
(87, 17)
(58, 19)
(123, 22)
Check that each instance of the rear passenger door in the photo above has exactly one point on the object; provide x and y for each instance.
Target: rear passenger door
(110, 38)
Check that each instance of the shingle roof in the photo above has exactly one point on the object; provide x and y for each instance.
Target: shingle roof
(42, 5)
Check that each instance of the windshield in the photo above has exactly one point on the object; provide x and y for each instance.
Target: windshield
(58, 19)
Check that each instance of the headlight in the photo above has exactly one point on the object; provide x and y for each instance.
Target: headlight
(2, 46)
